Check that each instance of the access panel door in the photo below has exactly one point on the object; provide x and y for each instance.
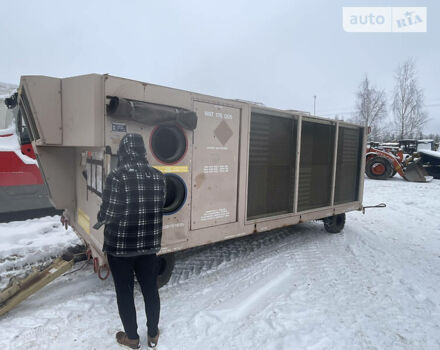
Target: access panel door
(215, 165)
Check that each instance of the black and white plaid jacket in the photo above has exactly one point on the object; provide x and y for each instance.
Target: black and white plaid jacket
(132, 202)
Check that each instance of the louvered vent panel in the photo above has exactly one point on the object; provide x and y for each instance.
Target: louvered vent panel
(272, 151)
(316, 163)
(348, 165)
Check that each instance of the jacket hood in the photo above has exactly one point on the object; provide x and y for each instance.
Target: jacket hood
(132, 147)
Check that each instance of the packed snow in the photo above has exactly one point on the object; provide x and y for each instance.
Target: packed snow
(431, 153)
(374, 286)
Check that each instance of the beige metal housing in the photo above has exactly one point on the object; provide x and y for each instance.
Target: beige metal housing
(76, 141)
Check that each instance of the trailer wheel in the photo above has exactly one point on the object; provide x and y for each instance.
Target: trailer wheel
(378, 168)
(165, 266)
(335, 223)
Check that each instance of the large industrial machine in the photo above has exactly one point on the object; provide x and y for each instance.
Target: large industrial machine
(233, 168)
(23, 194)
(382, 165)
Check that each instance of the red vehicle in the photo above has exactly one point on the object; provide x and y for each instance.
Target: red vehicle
(382, 165)
(22, 190)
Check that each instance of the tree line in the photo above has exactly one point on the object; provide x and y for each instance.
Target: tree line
(407, 107)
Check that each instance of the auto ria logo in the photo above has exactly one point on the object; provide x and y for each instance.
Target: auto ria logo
(385, 19)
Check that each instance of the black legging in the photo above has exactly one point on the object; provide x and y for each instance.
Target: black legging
(145, 268)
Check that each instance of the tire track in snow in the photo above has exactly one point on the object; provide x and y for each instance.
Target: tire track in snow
(330, 274)
(300, 251)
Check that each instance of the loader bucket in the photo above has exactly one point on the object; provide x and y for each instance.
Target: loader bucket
(414, 172)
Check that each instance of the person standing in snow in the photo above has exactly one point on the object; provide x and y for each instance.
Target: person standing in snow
(132, 207)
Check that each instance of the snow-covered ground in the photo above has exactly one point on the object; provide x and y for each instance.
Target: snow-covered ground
(375, 286)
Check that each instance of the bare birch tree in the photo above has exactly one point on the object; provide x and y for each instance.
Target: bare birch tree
(408, 101)
(370, 108)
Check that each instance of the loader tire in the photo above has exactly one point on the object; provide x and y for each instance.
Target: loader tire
(378, 168)
(335, 223)
(165, 268)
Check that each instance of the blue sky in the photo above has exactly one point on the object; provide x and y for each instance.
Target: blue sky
(280, 53)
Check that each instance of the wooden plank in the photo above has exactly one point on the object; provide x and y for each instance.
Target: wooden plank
(35, 282)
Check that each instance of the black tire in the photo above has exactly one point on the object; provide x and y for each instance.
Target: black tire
(378, 161)
(335, 223)
(165, 266)
(392, 170)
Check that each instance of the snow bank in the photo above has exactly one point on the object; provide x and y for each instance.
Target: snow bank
(8, 140)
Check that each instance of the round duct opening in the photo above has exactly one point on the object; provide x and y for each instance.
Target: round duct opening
(168, 143)
(176, 194)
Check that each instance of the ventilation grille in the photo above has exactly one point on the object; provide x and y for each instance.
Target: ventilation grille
(316, 164)
(348, 165)
(272, 152)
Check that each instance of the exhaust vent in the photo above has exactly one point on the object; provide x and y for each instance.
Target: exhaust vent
(176, 194)
(168, 143)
